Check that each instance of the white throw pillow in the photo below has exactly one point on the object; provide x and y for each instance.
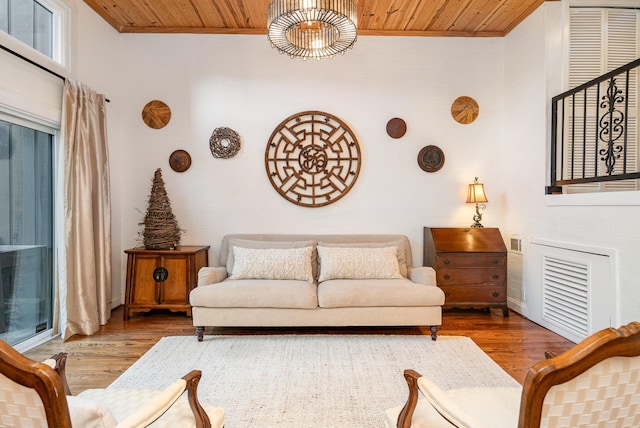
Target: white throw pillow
(358, 263)
(402, 256)
(272, 263)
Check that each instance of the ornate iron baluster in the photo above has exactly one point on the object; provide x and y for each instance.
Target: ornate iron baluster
(611, 125)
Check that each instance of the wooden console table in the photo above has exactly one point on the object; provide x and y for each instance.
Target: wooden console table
(470, 265)
(162, 279)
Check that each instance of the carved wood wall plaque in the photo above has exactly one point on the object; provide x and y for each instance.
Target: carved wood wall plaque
(431, 158)
(312, 159)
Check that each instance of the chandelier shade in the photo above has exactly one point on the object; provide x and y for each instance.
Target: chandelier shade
(312, 28)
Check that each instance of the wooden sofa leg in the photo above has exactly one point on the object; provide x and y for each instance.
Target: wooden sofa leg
(434, 332)
(200, 333)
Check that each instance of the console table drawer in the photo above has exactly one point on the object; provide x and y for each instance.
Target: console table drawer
(471, 276)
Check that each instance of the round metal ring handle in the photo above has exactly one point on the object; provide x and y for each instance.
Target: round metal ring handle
(160, 274)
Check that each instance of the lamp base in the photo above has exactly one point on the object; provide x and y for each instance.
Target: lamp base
(477, 216)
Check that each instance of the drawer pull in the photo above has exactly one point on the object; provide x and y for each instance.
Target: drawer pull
(446, 261)
(495, 294)
(160, 274)
(447, 294)
(446, 276)
(495, 261)
(495, 276)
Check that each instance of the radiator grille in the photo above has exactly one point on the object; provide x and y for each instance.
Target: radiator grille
(566, 294)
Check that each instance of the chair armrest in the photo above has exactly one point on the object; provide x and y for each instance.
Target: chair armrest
(58, 362)
(406, 414)
(153, 409)
(424, 275)
(200, 415)
(211, 275)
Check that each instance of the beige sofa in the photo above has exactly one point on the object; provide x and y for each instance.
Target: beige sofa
(316, 280)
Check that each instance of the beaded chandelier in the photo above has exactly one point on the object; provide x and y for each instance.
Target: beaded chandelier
(312, 28)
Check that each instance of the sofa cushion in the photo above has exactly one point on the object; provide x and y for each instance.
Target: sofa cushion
(401, 252)
(358, 263)
(255, 243)
(344, 293)
(256, 293)
(272, 263)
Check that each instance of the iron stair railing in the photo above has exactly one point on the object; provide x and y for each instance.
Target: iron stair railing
(590, 131)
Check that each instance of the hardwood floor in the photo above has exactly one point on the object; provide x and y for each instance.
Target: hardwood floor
(515, 343)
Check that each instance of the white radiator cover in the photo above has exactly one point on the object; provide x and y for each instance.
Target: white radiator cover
(572, 287)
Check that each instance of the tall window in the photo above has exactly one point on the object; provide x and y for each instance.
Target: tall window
(600, 40)
(30, 22)
(26, 232)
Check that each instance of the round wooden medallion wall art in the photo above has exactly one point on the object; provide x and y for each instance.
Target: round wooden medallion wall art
(464, 110)
(156, 114)
(312, 159)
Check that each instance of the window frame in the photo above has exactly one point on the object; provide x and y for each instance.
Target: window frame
(60, 60)
(26, 119)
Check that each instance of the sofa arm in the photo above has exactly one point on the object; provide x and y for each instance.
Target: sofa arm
(211, 275)
(424, 275)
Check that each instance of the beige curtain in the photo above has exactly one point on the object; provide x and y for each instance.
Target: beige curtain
(86, 299)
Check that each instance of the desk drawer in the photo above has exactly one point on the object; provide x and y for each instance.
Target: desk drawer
(474, 294)
(471, 276)
(456, 260)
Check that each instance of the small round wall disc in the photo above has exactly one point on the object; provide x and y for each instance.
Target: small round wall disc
(156, 114)
(396, 127)
(180, 161)
(464, 110)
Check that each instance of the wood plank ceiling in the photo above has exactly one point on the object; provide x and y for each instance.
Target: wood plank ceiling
(462, 18)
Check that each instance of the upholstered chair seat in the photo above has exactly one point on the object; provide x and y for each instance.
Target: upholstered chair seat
(594, 384)
(468, 407)
(37, 395)
(122, 403)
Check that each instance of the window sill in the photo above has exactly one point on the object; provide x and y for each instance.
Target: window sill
(631, 198)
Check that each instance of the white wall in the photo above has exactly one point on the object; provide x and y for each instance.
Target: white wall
(240, 82)
(533, 74)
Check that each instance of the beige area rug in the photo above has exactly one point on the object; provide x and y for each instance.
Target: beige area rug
(308, 381)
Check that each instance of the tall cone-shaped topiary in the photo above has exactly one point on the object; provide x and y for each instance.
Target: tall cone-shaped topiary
(161, 229)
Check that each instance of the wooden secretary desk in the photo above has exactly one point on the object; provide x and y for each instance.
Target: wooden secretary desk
(470, 265)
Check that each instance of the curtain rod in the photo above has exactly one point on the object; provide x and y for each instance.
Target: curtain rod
(41, 67)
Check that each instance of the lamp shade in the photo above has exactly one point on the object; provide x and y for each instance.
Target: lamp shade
(476, 193)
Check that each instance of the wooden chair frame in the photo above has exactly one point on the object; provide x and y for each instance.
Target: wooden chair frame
(558, 369)
(52, 387)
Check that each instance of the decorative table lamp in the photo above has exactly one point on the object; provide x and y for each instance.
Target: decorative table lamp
(476, 195)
